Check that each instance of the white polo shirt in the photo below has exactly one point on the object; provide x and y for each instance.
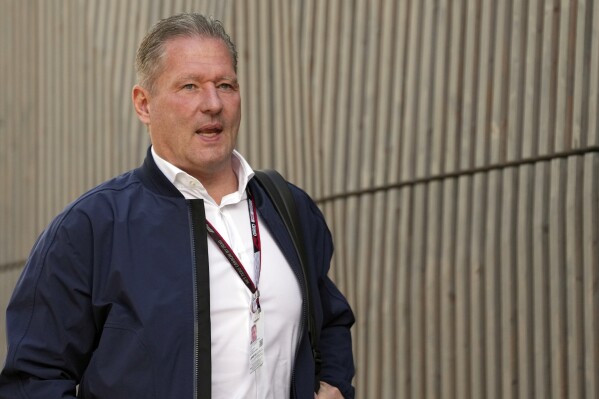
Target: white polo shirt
(230, 299)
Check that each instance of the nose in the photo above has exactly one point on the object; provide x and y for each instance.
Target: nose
(210, 101)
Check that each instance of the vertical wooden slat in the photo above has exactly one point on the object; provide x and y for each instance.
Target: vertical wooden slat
(593, 84)
(581, 73)
(383, 150)
(483, 283)
(31, 190)
(432, 284)
(241, 37)
(478, 271)
(523, 282)
(375, 235)
(43, 147)
(471, 34)
(398, 84)
(448, 290)
(289, 93)
(322, 93)
(517, 84)
(89, 107)
(359, 36)
(557, 281)
(389, 377)
(412, 72)
(416, 296)
(439, 96)
(97, 19)
(547, 121)
(422, 145)
(69, 70)
(53, 149)
(5, 202)
(253, 89)
(79, 80)
(501, 75)
(343, 131)
(120, 92)
(404, 313)
(508, 294)
(456, 88)
(454, 98)
(565, 53)
(530, 124)
(279, 87)
(295, 114)
(487, 43)
(17, 188)
(371, 99)
(590, 270)
(574, 278)
(462, 288)
(13, 154)
(312, 51)
(109, 47)
(492, 283)
(541, 309)
(363, 287)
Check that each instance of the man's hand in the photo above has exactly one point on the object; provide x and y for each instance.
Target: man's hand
(327, 391)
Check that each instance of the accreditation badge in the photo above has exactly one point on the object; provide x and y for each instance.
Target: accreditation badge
(256, 340)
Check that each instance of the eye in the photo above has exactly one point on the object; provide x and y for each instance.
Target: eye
(227, 86)
(189, 86)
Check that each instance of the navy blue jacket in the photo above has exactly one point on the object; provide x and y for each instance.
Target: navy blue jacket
(105, 304)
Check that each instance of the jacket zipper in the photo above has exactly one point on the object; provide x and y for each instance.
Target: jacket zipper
(302, 284)
(195, 307)
(201, 293)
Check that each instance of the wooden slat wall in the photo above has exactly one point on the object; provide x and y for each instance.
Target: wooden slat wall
(452, 146)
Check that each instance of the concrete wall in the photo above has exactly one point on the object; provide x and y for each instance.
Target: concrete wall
(453, 146)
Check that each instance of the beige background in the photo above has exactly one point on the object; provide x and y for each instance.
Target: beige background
(453, 146)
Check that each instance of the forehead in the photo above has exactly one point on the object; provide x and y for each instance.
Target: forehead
(189, 51)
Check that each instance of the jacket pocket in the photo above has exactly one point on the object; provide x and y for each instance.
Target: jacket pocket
(120, 367)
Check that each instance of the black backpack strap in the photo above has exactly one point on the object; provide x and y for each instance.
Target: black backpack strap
(277, 189)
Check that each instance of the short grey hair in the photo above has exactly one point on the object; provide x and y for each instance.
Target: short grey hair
(151, 49)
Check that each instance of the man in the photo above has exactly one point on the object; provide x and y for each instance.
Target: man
(133, 291)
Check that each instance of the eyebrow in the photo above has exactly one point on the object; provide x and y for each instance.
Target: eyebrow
(231, 79)
(198, 77)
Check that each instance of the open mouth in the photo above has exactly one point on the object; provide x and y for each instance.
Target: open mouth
(210, 130)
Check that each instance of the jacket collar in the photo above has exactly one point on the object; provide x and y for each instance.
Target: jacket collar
(151, 177)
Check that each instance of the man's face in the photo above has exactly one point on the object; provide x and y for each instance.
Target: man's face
(194, 110)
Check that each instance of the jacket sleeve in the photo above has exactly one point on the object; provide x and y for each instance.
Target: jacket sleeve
(337, 317)
(50, 325)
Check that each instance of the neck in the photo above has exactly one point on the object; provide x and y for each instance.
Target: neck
(220, 185)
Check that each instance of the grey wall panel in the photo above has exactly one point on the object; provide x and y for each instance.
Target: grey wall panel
(452, 146)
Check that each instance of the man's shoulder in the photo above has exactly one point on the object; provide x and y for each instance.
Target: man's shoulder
(92, 208)
(113, 191)
(115, 186)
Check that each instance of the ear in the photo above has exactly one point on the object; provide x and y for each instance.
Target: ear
(140, 99)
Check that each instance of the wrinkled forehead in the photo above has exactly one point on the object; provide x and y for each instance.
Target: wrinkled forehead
(198, 48)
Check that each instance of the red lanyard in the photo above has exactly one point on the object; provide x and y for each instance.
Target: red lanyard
(234, 260)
